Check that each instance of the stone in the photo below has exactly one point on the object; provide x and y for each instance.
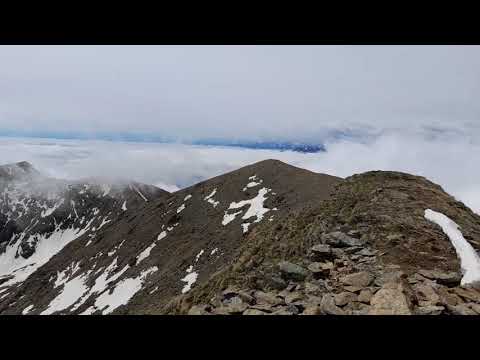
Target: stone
(231, 309)
(320, 270)
(321, 252)
(292, 271)
(390, 276)
(460, 309)
(344, 298)
(391, 299)
(447, 298)
(267, 298)
(362, 279)
(340, 239)
(262, 307)
(429, 310)
(199, 310)
(328, 306)
(292, 297)
(365, 296)
(311, 288)
(276, 282)
(475, 307)
(367, 252)
(426, 294)
(445, 278)
(312, 310)
(254, 312)
(468, 294)
(353, 289)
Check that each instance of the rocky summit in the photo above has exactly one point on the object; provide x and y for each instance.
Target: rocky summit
(266, 239)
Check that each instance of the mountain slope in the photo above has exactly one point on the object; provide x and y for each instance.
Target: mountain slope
(40, 215)
(268, 238)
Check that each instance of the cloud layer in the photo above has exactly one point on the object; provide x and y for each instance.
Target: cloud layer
(446, 160)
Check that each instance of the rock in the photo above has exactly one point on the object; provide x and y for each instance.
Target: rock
(267, 298)
(199, 310)
(292, 271)
(475, 307)
(429, 310)
(231, 309)
(468, 294)
(392, 299)
(344, 298)
(254, 312)
(367, 252)
(320, 270)
(444, 278)
(292, 297)
(353, 289)
(390, 276)
(311, 288)
(365, 296)
(276, 282)
(312, 310)
(339, 239)
(447, 298)
(426, 295)
(267, 308)
(460, 309)
(328, 306)
(361, 279)
(321, 252)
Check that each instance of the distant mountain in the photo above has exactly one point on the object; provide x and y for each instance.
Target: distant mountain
(280, 146)
(268, 238)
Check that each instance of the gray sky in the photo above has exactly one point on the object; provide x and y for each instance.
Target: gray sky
(238, 91)
(421, 103)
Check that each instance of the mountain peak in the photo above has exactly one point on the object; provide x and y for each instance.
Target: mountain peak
(19, 170)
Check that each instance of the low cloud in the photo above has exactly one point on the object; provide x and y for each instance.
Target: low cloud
(446, 159)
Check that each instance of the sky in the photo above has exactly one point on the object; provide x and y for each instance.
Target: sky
(408, 108)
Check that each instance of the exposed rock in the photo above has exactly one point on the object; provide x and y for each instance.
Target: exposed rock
(353, 289)
(320, 270)
(292, 271)
(292, 297)
(444, 278)
(312, 310)
(344, 298)
(390, 276)
(276, 282)
(199, 310)
(429, 310)
(468, 294)
(322, 252)
(267, 298)
(253, 312)
(361, 279)
(426, 295)
(328, 306)
(340, 239)
(391, 299)
(367, 252)
(460, 309)
(475, 307)
(365, 296)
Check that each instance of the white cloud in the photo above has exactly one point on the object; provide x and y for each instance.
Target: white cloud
(446, 160)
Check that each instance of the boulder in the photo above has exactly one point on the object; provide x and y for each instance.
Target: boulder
(267, 298)
(365, 296)
(361, 279)
(340, 239)
(199, 310)
(426, 295)
(320, 270)
(344, 298)
(460, 309)
(321, 252)
(290, 271)
(445, 278)
(392, 299)
(429, 310)
(253, 312)
(468, 294)
(328, 306)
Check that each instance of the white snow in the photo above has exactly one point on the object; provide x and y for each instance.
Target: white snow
(469, 259)
(122, 293)
(71, 292)
(188, 197)
(145, 253)
(106, 189)
(181, 208)
(190, 279)
(227, 218)
(199, 255)
(252, 183)
(214, 251)
(245, 227)
(124, 206)
(210, 200)
(256, 209)
(104, 222)
(162, 235)
(27, 309)
(139, 193)
(50, 211)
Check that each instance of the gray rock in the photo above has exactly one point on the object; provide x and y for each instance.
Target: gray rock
(199, 310)
(276, 282)
(391, 299)
(267, 298)
(361, 279)
(254, 312)
(367, 252)
(365, 296)
(429, 310)
(444, 278)
(340, 239)
(344, 298)
(353, 289)
(328, 306)
(320, 270)
(322, 252)
(426, 294)
(475, 307)
(312, 310)
(460, 309)
(290, 271)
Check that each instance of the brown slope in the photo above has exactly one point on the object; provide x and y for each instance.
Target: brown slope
(199, 228)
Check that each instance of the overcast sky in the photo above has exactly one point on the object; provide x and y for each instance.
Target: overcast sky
(420, 103)
(238, 91)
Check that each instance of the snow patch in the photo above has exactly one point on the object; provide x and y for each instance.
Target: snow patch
(469, 259)
(124, 206)
(181, 208)
(27, 309)
(190, 279)
(210, 200)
